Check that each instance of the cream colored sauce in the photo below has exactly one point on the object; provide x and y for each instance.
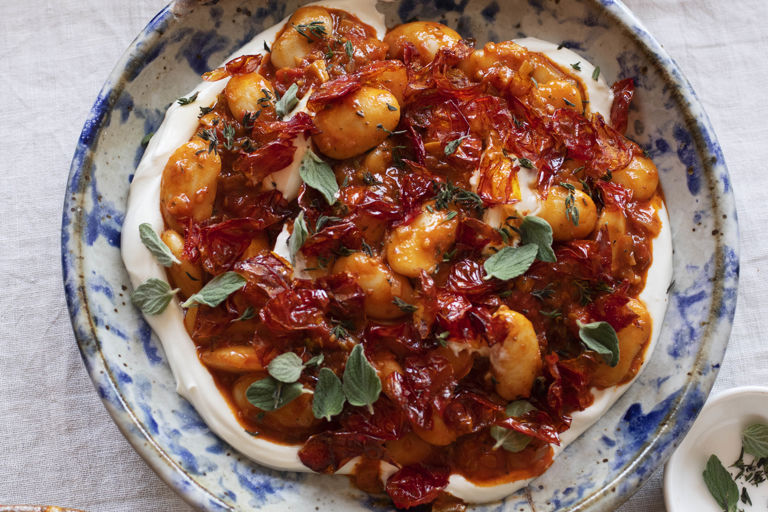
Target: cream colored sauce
(193, 380)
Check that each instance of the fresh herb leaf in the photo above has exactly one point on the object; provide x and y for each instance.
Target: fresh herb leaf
(720, 484)
(448, 256)
(535, 230)
(367, 249)
(510, 262)
(745, 499)
(519, 408)
(577, 66)
(145, 140)
(329, 399)
(317, 174)
(600, 337)
(555, 313)
(156, 246)
(447, 193)
(323, 220)
(286, 367)
(299, 235)
(404, 306)
(152, 296)
(339, 331)
(249, 119)
(269, 394)
(285, 105)
(544, 293)
(187, 101)
(450, 215)
(453, 145)
(755, 440)
(571, 211)
(370, 179)
(210, 136)
(524, 162)
(217, 290)
(535, 83)
(247, 315)
(229, 136)
(509, 439)
(350, 49)
(312, 30)
(442, 338)
(361, 384)
(315, 361)
(391, 107)
(569, 103)
(596, 73)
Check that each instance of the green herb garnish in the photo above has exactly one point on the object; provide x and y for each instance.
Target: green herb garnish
(216, 290)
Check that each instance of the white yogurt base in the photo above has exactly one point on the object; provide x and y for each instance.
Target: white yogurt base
(193, 380)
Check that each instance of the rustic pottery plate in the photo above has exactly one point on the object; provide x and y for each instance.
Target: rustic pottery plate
(598, 471)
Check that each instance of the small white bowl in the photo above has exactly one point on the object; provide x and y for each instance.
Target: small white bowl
(716, 431)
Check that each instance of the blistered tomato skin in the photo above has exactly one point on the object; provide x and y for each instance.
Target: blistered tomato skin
(357, 123)
(428, 156)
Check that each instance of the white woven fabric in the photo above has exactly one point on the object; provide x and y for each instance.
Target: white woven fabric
(57, 443)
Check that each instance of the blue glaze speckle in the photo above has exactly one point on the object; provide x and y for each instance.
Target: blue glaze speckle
(128, 365)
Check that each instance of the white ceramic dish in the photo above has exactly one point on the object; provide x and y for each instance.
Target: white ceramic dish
(717, 431)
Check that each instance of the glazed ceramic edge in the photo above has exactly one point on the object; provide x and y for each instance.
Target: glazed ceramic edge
(653, 454)
(674, 426)
(74, 288)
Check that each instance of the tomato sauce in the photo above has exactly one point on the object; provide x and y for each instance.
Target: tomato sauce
(439, 401)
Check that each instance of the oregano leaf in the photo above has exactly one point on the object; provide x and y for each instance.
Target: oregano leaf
(156, 246)
(535, 230)
(286, 367)
(152, 296)
(317, 174)
(315, 361)
(510, 262)
(217, 290)
(511, 440)
(519, 408)
(361, 383)
(601, 337)
(269, 394)
(287, 102)
(299, 235)
(329, 395)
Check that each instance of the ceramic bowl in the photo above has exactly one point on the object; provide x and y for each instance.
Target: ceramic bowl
(717, 431)
(598, 471)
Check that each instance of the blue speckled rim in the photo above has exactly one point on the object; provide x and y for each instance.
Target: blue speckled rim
(130, 63)
(655, 452)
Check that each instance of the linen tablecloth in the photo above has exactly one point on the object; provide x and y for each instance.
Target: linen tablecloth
(57, 443)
